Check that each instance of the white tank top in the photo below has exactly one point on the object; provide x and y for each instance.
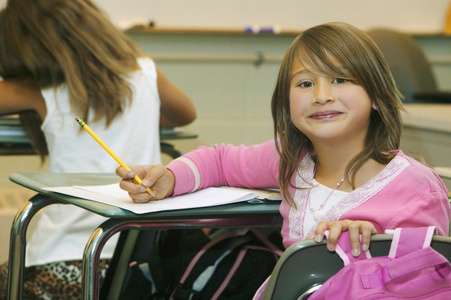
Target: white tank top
(63, 230)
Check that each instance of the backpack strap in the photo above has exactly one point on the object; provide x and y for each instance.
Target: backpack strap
(236, 265)
(277, 251)
(210, 244)
(407, 240)
(343, 249)
(203, 278)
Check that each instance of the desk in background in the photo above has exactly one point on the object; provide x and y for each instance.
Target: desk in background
(427, 130)
(231, 215)
(13, 140)
(445, 174)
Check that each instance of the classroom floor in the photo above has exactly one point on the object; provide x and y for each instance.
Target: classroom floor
(11, 200)
(13, 196)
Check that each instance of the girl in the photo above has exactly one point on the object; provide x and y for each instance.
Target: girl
(60, 59)
(335, 157)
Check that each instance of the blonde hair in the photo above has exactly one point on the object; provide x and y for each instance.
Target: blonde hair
(54, 42)
(321, 46)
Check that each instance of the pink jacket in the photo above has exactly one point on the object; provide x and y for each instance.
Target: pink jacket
(404, 194)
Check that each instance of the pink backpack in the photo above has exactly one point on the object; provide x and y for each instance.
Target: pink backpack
(412, 270)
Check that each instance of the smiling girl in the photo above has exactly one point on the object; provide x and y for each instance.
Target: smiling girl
(335, 156)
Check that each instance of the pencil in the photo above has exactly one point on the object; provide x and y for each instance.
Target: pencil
(113, 155)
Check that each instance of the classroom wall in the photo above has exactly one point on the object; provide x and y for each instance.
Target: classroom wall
(406, 15)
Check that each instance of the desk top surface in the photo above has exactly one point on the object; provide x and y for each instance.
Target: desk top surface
(435, 117)
(37, 181)
(11, 131)
(13, 140)
(443, 172)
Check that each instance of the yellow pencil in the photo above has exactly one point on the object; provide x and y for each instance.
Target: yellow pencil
(102, 143)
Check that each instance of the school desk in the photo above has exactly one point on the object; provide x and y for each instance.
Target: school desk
(230, 215)
(427, 130)
(13, 140)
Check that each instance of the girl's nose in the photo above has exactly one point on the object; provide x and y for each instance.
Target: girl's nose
(323, 92)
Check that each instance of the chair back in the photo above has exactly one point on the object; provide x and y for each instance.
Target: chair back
(408, 63)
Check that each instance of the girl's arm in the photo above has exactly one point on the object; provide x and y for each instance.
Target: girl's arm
(17, 96)
(177, 109)
(221, 165)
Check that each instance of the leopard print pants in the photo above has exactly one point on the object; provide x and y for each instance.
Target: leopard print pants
(58, 280)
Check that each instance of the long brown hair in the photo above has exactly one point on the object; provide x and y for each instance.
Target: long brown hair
(54, 42)
(358, 54)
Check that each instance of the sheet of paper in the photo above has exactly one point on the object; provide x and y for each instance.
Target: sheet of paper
(269, 194)
(112, 194)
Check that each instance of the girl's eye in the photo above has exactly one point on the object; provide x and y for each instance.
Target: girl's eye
(306, 84)
(339, 80)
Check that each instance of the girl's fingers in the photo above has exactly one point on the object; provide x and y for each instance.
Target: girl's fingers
(354, 237)
(131, 186)
(320, 230)
(140, 197)
(153, 175)
(336, 228)
(123, 173)
(367, 231)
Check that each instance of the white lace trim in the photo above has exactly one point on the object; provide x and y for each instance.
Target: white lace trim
(304, 176)
(355, 198)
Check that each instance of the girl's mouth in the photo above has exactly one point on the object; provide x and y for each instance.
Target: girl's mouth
(322, 115)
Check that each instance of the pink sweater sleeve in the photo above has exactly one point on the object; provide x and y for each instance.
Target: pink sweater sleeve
(254, 166)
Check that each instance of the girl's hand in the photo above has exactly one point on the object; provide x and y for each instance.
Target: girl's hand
(159, 179)
(355, 228)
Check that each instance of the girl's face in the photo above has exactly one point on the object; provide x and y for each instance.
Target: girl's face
(328, 109)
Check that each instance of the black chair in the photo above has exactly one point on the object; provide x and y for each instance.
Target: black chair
(410, 67)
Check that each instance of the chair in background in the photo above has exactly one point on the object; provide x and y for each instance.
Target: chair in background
(306, 265)
(411, 68)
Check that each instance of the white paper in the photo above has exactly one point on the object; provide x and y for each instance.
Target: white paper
(112, 194)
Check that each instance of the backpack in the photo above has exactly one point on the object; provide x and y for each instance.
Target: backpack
(412, 270)
(189, 264)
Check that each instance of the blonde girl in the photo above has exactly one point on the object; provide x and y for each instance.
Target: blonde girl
(60, 59)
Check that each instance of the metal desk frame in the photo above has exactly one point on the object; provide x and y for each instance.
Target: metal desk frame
(231, 215)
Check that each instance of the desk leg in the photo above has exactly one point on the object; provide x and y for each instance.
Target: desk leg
(91, 255)
(17, 244)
